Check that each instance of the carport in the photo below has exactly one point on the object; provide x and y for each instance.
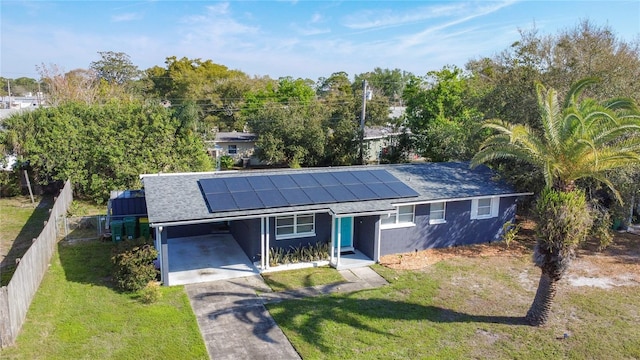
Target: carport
(203, 258)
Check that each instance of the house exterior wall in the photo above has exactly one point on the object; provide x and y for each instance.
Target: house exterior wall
(365, 234)
(189, 230)
(247, 234)
(244, 149)
(459, 229)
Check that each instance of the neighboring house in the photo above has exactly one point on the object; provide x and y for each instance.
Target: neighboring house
(238, 145)
(378, 139)
(364, 212)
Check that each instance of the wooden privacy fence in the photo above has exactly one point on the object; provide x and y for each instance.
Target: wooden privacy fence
(16, 297)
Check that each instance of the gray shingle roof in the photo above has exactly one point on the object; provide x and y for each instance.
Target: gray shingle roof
(178, 198)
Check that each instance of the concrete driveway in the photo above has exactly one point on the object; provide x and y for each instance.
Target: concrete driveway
(234, 322)
(207, 258)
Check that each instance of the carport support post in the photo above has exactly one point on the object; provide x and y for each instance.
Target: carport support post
(266, 225)
(339, 232)
(264, 255)
(161, 234)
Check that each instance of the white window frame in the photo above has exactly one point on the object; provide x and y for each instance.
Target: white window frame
(437, 216)
(493, 206)
(295, 226)
(399, 217)
(235, 149)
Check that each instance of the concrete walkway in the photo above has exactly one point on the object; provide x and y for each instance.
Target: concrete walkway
(235, 324)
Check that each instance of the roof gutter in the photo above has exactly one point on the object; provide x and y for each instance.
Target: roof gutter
(459, 199)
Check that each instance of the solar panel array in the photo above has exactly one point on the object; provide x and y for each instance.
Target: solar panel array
(272, 191)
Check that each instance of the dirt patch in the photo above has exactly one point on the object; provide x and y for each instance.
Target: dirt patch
(617, 265)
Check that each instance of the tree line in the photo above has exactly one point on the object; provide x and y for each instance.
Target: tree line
(302, 122)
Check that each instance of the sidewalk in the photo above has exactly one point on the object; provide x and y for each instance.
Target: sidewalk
(235, 324)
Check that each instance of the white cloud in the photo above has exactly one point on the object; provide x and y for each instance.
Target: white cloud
(126, 17)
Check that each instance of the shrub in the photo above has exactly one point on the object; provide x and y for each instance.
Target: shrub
(509, 232)
(151, 292)
(311, 252)
(226, 162)
(133, 264)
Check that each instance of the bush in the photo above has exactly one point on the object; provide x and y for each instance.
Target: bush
(151, 292)
(133, 264)
(312, 252)
(226, 162)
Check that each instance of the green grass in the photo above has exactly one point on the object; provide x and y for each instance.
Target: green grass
(21, 221)
(463, 308)
(296, 279)
(77, 314)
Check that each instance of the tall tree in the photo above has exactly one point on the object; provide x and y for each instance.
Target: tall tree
(342, 123)
(580, 139)
(75, 85)
(443, 124)
(103, 147)
(116, 68)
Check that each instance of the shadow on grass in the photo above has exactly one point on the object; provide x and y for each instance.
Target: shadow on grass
(87, 262)
(310, 316)
(370, 315)
(31, 229)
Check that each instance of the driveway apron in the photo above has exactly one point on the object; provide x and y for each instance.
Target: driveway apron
(234, 322)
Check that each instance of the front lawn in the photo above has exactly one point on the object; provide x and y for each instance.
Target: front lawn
(472, 307)
(77, 314)
(306, 277)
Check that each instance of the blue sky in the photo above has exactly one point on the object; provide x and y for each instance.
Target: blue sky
(307, 39)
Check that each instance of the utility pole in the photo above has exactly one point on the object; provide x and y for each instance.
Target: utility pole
(362, 116)
(9, 90)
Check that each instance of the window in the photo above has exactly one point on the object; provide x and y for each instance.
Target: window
(436, 213)
(232, 149)
(484, 208)
(292, 226)
(402, 217)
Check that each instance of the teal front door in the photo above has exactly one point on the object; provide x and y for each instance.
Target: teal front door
(344, 228)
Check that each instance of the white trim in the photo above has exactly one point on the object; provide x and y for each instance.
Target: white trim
(493, 211)
(397, 223)
(233, 218)
(396, 226)
(142, 176)
(442, 220)
(295, 234)
(421, 202)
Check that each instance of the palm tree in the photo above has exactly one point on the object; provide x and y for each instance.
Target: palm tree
(582, 139)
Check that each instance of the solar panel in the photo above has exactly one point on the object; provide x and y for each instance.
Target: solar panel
(283, 182)
(261, 183)
(367, 177)
(340, 193)
(401, 189)
(325, 179)
(238, 184)
(362, 192)
(305, 180)
(382, 190)
(346, 178)
(213, 186)
(220, 202)
(383, 175)
(272, 198)
(246, 200)
(318, 195)
(235, 193)
(296, 197)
